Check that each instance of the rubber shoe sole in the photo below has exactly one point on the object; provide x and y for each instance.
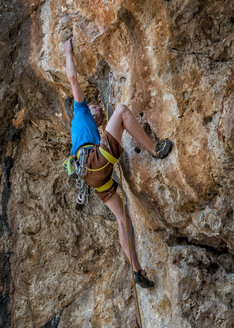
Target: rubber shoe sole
(163, 149)
(143, 281)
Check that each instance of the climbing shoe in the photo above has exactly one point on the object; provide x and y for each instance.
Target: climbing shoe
(142, 280)
(162, 148)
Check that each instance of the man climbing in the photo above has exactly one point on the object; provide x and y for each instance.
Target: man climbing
(104, 151)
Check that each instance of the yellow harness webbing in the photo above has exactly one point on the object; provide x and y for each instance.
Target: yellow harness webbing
(106, 186)
(108, 156)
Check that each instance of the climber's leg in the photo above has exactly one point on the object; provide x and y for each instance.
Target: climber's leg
(123, 118)
(116, 206)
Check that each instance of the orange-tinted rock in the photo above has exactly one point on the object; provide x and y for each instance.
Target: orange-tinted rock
(171, 64)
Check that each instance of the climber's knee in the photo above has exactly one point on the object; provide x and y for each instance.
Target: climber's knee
(115, 126)
(122, 110)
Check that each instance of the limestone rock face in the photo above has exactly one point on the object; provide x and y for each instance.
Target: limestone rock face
(171, 63)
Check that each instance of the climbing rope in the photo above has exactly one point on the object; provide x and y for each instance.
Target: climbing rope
(129, 249)
(126, 227)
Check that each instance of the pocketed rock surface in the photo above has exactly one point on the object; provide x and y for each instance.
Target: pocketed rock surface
(171, 63)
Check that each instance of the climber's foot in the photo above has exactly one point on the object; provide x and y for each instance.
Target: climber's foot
(142, 280)
(163, 148)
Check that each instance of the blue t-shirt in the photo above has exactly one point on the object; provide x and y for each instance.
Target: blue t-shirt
(83, 128)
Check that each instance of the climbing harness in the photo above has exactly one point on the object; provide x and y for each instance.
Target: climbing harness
(110, 159)
(76, 168)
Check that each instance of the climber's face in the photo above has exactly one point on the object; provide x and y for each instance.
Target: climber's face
(97, 113)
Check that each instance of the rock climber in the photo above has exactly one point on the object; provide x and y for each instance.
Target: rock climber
(84, 131)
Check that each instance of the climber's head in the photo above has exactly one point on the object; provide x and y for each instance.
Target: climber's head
(97, 113)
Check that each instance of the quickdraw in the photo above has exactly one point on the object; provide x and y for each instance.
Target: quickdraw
(81, 171)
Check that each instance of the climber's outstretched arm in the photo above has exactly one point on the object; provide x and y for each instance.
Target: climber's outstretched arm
(71, 72)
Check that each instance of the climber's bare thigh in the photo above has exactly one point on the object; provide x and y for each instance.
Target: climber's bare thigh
(115, 125)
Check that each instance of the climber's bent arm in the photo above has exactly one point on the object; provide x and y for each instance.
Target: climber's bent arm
(71, 72)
